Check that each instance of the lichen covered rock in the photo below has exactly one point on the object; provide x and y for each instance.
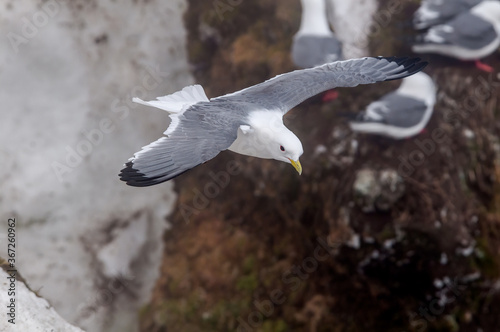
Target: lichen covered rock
(377, 190)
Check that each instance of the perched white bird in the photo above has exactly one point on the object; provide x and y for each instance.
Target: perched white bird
(434, 12)
(471, 35)
(402, 113)
(315, 43)
(249, 121)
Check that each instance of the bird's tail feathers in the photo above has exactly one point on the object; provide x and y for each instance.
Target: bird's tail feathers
(177, 101)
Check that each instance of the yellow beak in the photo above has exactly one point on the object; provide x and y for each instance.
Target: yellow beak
(296, 165)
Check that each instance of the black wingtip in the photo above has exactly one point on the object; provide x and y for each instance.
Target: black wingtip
(410, 66)
(134, 178)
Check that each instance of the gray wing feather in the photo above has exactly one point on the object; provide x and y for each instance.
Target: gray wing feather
(201, 134)
(288, 90)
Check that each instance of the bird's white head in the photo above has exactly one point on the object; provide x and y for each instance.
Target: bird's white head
(489, 11)
(272, 140)
(285, 146)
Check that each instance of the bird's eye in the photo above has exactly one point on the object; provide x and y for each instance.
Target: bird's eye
(282, 148)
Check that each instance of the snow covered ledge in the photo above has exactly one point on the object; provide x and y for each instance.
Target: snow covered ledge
(29, 312)
(88, 243)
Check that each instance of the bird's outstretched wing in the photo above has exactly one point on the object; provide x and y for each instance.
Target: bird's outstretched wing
(288, 90)
(204, 129)
(198, 136)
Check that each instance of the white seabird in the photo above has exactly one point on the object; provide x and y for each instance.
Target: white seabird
(402, 113)
(249, 121)
(469, 36)
(435, 12)
(315, 43)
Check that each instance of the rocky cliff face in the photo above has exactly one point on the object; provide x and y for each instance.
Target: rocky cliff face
(271, 251)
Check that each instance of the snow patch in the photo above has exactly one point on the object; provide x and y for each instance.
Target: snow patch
(352, 22)
(33, 313)
(68, 116)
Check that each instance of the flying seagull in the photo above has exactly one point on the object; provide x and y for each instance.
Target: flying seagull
(469, 36)
(434, 12)
(249, 121)
(315, 43)
(402, 113)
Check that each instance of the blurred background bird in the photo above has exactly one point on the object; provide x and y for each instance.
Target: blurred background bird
(471, 35)
(402, 113)
(435, 12)
(315, 43)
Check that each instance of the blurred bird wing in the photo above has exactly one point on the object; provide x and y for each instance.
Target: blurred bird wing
(285, 91)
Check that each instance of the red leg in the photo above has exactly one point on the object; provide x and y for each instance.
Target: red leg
(483, 66)
(330, 95)
(423, 131)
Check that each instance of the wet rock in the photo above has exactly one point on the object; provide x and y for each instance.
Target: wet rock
(377, 190)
